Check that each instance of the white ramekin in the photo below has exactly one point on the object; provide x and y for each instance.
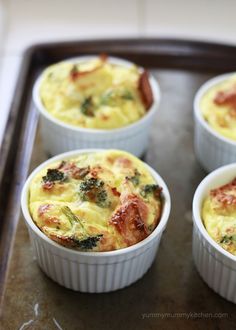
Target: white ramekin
(212, 149)
(216, 266)
(59, 137)
(93, 271)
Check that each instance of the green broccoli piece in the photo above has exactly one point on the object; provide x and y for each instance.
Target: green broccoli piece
(88, 243)
(148, 189)
(71, 216)
(54, 175)
(93, 190)
(135, 179)
(101, 199)
(90, 184)
(110, 97)
(85, 242)
(87, 107)
(127, 95)
(228, 239)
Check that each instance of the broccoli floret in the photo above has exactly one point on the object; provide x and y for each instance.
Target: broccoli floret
(90, 184)
(93, 190)
(111, 97)
(85, 242)
(135, 179)
(127, 95)
(148, 189)
(54, 175)
(101, 199)
(228, 239)
(87, 107)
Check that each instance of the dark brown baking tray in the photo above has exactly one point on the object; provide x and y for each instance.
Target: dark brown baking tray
(171, 295)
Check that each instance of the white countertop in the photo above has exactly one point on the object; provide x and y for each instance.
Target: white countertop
(79, 19)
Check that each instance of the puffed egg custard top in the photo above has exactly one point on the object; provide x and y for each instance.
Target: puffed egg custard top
(98, 201)
(95, 93)
(218, 106)
(219, 215)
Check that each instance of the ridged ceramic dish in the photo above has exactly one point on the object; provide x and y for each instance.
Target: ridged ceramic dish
(212, 149)
(94, 271)
(216, 266)
(59, 137)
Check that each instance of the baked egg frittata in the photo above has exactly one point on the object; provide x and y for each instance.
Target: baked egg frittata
(95, 93)
(219, 215)
(218, 106)
(98, 201)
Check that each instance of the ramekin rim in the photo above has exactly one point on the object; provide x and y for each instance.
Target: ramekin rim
(154, 85)
(196, 207)
(196, 106)
(28, 219)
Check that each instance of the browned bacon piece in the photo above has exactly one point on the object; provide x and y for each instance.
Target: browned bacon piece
(225, 194)
(226, 98)
(145, 90)
(75, 171)
(130, 220)
(115, 192)
(47, 185)
(76, 74)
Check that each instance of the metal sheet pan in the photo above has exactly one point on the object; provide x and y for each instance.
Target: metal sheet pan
(171, 295)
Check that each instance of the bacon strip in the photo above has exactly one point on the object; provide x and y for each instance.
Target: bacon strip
(145, 90)
(225, 194)
(43, 209)
(115, 192)
(76, 74)
(75, 171)
(226, 98)
(48, 185)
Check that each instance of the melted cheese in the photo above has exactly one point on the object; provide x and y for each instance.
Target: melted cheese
(219, 216)
(221, 117)
(110, 193)
(93, 94)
